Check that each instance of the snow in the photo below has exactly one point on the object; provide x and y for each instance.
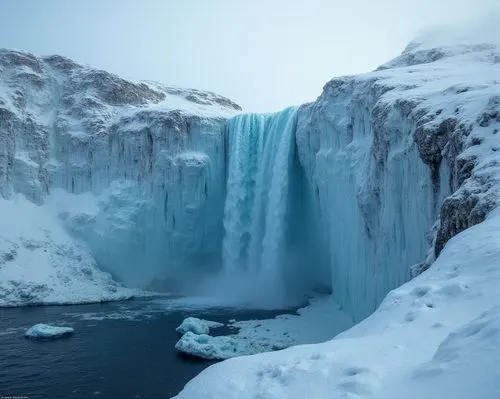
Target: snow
(195, 102)
(437, 336)
(383, 150)
(197, 326)
(40, 263)
(47, 331)
(320, 320)
(134, 171)
(208, 347)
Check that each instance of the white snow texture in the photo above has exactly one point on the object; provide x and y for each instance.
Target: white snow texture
(46, 331)
(197, 326)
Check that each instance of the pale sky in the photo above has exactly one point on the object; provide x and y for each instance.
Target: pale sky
(263, 54)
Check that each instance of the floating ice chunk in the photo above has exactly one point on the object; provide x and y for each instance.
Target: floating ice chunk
(197, 326)
(208, 347)
(48, 331)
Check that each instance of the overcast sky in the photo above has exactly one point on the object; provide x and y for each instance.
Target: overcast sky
(263, 54)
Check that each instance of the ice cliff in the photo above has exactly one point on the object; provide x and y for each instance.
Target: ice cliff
(400, 160)
(135, 171)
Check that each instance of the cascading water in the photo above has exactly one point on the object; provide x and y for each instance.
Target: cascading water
(259, 203)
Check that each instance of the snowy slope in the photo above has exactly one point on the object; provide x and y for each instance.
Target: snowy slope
(40, 263)
(135, 171)
(437, 336)
(398, 161)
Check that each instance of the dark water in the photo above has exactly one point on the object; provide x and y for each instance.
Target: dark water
(119, 350)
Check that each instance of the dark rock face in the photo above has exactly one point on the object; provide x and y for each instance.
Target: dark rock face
(461, 211)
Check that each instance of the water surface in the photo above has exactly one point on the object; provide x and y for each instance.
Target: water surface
(119, 350)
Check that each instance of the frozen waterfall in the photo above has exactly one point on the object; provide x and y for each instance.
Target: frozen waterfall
(263, 207)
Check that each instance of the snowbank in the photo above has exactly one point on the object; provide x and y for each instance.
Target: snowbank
(197, 326)
(40, 263)
(437, 336)
(48, 331)
(319, 321)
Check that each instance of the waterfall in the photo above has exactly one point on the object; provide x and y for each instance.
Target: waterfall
(257, 208)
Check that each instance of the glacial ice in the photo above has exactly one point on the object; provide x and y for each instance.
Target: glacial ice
(377, 200)
(46, 331)
(197, 326)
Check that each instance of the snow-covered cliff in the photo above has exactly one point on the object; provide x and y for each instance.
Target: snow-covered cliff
(399, 161)
(136, 170)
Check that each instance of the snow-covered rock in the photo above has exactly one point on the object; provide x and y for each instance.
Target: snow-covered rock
(46, 331)
(208, 347)
(197, 326)
(136, 171)
(318, 321)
